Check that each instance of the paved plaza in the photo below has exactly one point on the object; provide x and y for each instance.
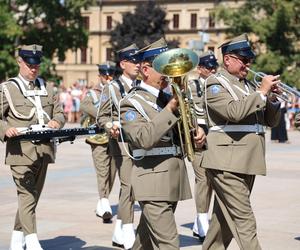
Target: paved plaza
(66, 212)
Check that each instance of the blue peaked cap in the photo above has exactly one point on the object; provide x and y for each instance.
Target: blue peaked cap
(128, 53)
(107, 68)
(149, 52)
(31, 54)
(239, 45)
(208, 60)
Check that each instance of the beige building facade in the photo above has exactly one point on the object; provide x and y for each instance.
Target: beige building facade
(191, 22)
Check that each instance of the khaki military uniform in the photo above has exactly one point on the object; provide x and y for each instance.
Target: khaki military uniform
(203, 189)
(160, 180)
(120, 160)
(28, 160)
(104, 172)
(235, 154)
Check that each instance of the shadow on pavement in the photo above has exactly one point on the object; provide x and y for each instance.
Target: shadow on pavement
(63, 243)
(186, 241)
(98, 248)
(188, 225)
(69, 243)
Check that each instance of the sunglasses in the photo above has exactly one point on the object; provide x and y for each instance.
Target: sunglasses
(32, 66)
(244, 60)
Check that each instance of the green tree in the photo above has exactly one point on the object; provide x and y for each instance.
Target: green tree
(56, 24)
(8, 33)
(145, 25)
(274, 26)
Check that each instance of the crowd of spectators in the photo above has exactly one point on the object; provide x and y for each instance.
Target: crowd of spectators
(70, 98)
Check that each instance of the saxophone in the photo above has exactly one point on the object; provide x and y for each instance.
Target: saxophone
(176, 64)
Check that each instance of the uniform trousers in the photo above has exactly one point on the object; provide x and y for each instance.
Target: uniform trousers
(157, 226)
(29, 181)
(105, 171)
(203, 189)
(232, 212)
(124, 166)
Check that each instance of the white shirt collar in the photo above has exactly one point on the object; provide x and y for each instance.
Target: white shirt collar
(127, 80)
(152, 90)
(23, 80)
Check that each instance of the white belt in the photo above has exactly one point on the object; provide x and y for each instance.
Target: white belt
(201, 121)
(255, 128)
(174, 150)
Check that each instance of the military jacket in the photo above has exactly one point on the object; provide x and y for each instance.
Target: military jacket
(196, 87)
(109, 108)
(89, 103)
(26, 152)
(240, 152)
(159, 177)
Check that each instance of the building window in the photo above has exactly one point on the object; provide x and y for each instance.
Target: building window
(83, 55)
(109, 54)
(193, 21)
(211, 20)
(109, 22)
(86, 22)
(175, 21)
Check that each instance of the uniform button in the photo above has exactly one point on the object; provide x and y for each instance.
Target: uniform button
(169, 122)
(257, 106)
(232, 141)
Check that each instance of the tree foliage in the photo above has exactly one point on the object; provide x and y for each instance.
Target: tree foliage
(274, 26)
(145, 25)
(56, 24)
(8, 32)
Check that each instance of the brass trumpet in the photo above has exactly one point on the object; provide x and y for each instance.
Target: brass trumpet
(176, 64)
(288, 93)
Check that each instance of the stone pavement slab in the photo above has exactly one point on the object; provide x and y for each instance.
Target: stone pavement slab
(66, 212)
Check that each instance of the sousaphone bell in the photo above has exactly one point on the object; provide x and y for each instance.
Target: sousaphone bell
(176, 64)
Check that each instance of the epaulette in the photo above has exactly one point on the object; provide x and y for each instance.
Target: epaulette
(136, 88)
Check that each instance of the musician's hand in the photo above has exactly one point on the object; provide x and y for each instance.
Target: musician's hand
(11, 132)
(267, 83)
(115, 131)
(172, 104)
(200, 138)
(53, 124)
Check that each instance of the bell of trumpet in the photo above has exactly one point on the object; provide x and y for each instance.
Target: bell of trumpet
(288, 93)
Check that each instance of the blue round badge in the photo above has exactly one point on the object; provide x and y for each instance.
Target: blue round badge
(130, 115)
(215, 89)
(104, 98)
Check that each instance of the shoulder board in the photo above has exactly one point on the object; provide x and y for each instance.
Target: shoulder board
(137, 88)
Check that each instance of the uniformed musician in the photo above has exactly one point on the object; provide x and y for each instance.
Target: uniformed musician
(105, 172)
(159, 177)
(236, 114)
(28, 101)
(207, 65)
(123, 234)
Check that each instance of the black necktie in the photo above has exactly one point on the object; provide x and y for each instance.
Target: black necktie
(31, 85)
(162, 99)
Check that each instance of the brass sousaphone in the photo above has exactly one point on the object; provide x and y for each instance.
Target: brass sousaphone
(98, 139)
(176, 64)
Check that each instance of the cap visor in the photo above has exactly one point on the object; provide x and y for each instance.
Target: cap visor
(32, 60)
(246, 53)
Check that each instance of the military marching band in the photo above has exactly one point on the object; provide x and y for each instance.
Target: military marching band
(165, 108)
